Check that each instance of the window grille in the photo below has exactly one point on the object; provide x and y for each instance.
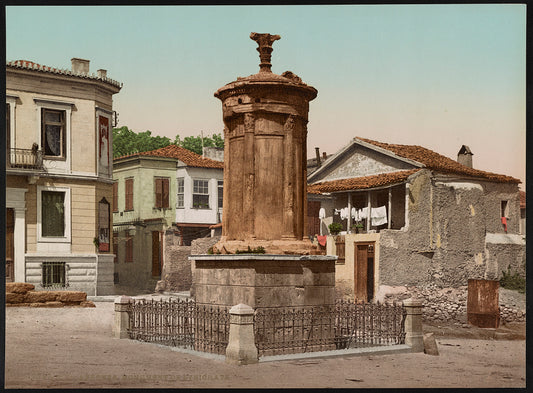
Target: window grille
(54, 275)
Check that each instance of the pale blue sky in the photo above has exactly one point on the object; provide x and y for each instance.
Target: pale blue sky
(434, 75)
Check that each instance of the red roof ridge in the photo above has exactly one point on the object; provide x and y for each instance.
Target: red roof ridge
(438, 162)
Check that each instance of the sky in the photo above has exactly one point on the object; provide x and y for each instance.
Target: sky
(438, 76)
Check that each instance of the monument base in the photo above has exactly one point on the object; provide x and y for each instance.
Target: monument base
(275, 247)
(264, 280)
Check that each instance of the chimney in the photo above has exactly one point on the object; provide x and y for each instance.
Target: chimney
(80, 65)
(324, 156)
(317, 151)
(101, 73)
(464, 156)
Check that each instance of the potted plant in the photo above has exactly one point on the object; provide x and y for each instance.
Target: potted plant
(334, 228)
(358, 228)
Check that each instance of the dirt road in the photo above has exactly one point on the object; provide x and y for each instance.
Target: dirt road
(74, 348)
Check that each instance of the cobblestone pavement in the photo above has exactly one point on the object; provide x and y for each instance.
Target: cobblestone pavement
(74, 348)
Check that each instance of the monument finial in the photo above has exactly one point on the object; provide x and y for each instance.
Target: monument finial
(264, 40)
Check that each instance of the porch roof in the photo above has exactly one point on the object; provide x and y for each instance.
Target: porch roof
(366, 182)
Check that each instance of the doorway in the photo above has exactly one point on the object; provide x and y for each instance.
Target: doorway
(10, 245)
(156, 254)
(364, 271)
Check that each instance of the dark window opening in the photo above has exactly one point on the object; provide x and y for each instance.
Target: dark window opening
(54, 274)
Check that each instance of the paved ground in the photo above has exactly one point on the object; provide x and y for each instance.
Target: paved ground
(74, 348)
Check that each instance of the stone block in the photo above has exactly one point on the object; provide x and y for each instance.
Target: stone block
(19, 287)
(430, 345)
(53, 304)
(314, 295)
(41, 296)
(71, 296)
(87, 303)
(14, 298)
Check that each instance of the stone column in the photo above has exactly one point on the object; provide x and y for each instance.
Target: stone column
(241, 347)
(122, 319)
(414, 337)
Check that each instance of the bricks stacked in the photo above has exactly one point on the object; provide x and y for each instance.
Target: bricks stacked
(20, 294)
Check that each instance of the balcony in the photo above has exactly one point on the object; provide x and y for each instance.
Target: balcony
(31, 159)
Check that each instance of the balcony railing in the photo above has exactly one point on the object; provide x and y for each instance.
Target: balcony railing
(24, 158)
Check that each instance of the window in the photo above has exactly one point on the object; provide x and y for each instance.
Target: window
(200, 194)
(220, 193)
(161, 192)
(129, 194)
(115, 197)
(53, 136)
(505, 209)
(103, 225)
(129, 247)
(52, 214)
(53, 274)
(181, 191)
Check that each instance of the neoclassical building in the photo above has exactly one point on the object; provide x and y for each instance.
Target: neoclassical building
(59, 176)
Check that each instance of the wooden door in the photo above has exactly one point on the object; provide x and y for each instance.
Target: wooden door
(156, 254)
(10, 245)
(313, 222)
(364, 271)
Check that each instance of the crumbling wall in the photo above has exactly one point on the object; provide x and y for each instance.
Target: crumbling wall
(447, 240)
(20, 294)
(176, 275)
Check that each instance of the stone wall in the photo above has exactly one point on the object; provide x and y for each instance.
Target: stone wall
(450, 304)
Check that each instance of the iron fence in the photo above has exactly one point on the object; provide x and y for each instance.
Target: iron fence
(340, 326)
(180, 323)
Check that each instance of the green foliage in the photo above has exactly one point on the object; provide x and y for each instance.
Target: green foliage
(334, 228)
(194, 143)
(513, 281)
(258, 250)
(126, 141)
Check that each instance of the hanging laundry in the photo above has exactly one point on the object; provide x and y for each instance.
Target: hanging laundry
(504, 222)
(379, 216)
(322, 240)
(363, 213)
(322, 213)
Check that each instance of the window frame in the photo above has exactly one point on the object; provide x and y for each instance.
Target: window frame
(63, 267)
(180, 192)
(10, 133)
(220, 194)
(161, 200)
(63, 137)
(66, 238)
(129, 206)
(199, 193)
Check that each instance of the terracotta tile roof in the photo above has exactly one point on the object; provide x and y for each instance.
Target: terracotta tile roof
(440, 163)
(31, 66)
(522, 199)
(355, 183)
(186, 156)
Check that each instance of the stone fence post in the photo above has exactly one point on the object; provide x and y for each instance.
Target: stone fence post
(122, 319)
(414, 336)
(241, 347)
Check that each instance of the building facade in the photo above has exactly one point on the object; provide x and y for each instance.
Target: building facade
(165, 192)
(413, 218)
(59, 176)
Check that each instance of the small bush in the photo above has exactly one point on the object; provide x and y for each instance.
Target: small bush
(513, 281)
(258, 250)
(334, 228)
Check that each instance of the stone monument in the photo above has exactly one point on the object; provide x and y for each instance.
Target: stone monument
(265, 197)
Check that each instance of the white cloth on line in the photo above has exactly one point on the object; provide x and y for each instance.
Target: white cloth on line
(379, 216)
(322, 213)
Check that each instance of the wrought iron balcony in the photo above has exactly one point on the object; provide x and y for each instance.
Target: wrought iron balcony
(24, 159)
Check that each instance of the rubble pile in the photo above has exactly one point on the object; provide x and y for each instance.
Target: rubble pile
(450, 304)
(20, 294)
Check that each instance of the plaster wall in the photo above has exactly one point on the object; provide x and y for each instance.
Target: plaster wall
(363, 161)
(189, 214)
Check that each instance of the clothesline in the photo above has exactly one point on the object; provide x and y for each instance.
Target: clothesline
(378, 215)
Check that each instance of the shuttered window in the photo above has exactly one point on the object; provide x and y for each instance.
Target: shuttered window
(115, 197)
(129, 194)
(161, 192)
(129, 247)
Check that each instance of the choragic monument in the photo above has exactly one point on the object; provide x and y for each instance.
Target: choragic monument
(264, 258)
(265, 138)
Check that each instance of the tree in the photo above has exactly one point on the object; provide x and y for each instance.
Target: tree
(126, 141)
